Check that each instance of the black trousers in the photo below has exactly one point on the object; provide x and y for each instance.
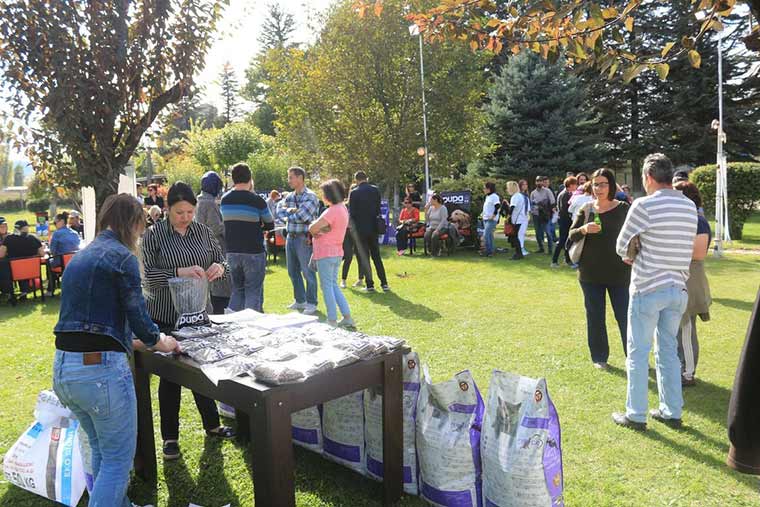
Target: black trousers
(169, 398)
(349, 249)
(564, 232)
(368, 247)
(6, 283)
(595, 299)
(219, 303)
(514, 240)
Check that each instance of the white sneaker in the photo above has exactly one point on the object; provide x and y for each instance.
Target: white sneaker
(309, 309)
(554, 265)
(358, 283)
(342, 284)
(296, 306)
(347, 322)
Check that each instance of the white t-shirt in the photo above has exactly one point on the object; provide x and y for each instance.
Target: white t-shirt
(489, 206)
(577, 203)
(520, 214)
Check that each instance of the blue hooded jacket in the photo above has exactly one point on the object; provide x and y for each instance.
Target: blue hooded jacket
(211, 183)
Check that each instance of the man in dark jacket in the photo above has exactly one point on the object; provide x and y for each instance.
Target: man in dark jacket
(364, 207)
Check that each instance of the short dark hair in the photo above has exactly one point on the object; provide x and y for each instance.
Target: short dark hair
(241, 173)
(691, 191)
(578, 176)
(180, 191)
(680, 176)
(124, 215)
(298, 171)
(658, 167)
(437, 197)
(360, 176)
(606, 173)
(64, 217)
(491, 186)
(333, 190)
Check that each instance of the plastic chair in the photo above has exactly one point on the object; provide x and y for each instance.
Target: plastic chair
(275, 244)
(57, 271)
(414, 236)
(27, 269)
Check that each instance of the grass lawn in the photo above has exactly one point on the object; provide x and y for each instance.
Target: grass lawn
(463, 312)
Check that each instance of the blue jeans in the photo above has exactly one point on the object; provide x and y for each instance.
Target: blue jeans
(488, 227)
(328, 280)
(102, 396)
(247, 275)
(657, 312)
(298, 253)
(542, 229)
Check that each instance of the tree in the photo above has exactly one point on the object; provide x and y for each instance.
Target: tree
(229, 84)
(90, 78)
(277, 28)
(587, 34)
(218, 149)
(539, 119)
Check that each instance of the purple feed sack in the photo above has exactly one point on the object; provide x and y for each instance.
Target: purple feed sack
(373, 425)
(307, 428)
(521, 444)
(343, 431)
(449, 418)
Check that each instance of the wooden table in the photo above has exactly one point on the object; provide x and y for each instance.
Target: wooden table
(264, 417)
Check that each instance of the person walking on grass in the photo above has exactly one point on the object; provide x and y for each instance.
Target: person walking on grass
(328, 232)
(565, 219)
(658, 240)
(364, 210)
(299, 209)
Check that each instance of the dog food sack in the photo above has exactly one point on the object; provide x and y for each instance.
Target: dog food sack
(520, 445)
(46, 459)
(307, 428)
(343, 431)
(191, 300)
(373, 424)
(449, 416)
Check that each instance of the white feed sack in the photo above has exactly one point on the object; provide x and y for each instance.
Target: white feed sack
(373, 419)
(46, 459)
(307, 428)
(522, 456)
(343, 431)
(449, 415)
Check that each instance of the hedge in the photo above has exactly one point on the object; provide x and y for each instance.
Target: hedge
(743, 192)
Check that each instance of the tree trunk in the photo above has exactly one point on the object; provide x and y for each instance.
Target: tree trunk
(105, 187)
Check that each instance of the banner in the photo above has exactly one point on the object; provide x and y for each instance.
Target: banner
(457, 200)
(385, 211)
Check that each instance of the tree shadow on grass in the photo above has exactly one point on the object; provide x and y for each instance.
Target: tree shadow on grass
(402, 307)
(735, 303)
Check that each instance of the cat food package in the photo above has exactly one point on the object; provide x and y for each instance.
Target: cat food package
(449, 417)
(307, 428)
(520, 444)
(373, 424)
(343, 431)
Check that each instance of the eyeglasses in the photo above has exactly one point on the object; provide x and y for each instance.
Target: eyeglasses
(601, 185)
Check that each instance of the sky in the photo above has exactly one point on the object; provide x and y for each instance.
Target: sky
(238, 30)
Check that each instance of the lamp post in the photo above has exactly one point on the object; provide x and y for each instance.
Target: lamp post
(721, 175)
(414, 30)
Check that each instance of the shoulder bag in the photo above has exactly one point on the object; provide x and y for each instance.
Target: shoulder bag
(576, 247)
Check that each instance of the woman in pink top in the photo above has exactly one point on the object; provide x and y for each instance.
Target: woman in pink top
(328, 232)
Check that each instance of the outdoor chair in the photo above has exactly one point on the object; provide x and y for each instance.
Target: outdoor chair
(56, 273)
(414, 236)
(28, 269)
(275, 244)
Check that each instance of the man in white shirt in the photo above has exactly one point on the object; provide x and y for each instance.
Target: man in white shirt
(490, 217)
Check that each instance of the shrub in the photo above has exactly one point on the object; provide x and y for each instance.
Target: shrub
(475, 185)
(184, 168)
(270, 171)
(743, 192)
(38, 205)
(12, 205)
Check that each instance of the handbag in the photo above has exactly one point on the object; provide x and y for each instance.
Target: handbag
(576, 247)
(509, 228)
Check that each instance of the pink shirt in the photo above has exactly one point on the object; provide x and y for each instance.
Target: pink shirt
(330, 244)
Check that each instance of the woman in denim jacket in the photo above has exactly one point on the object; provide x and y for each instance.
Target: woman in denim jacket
(101, 307)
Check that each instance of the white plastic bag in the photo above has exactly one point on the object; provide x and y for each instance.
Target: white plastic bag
(307, 428)
(449, 416)
(343, 431)
(46, 459)
(373, 417)
(521, 447)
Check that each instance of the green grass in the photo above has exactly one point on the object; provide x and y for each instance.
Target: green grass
(464, 312)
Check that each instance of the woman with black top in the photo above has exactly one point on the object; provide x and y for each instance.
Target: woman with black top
(601, 271)
(101, 307)
(180, 247)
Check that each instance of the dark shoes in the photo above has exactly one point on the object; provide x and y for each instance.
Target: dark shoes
(171, 450)
(688, 382)
(221, 432)
(622, 420)
(667, 421)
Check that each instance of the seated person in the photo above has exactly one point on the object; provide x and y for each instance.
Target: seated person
(459, 220)
(155, 214)
(3, 229)
(20, 245)
(437, 218)
(75, 223)
(409, 220)
(64, 239)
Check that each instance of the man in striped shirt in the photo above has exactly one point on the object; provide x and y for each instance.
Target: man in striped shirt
(299, 209)
(657, 238)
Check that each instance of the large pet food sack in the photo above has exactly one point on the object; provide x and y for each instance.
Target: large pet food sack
(373, 425)
(522, 456)
(46, 459)
(307, 428)
(449, 416)
(343, 431)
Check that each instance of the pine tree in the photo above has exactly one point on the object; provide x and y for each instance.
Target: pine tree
(229, 84)
(277, 28)
(539, 120)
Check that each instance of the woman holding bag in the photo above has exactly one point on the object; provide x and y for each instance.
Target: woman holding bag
(601, 271)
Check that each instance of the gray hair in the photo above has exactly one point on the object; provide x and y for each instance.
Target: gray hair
(659, 167)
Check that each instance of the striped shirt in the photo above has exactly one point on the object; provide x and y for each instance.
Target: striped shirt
(306, 205)
(666, 224)
(245, 216)
(163, 252)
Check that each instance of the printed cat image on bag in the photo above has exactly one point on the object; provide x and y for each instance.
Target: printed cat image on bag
(449, 418)
(190, 297)
(521, 444)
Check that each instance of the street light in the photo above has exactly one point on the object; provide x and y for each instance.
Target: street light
(414, 30)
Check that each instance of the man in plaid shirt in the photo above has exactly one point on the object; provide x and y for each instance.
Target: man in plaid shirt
(298, 210)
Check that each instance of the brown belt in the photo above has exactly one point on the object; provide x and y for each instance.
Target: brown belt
(89, 358)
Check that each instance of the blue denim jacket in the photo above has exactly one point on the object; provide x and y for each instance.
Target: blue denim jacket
(102, 294)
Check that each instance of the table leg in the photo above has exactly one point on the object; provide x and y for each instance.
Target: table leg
(393, 432)
(145, 457)
(243, 426)
(272, 453)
